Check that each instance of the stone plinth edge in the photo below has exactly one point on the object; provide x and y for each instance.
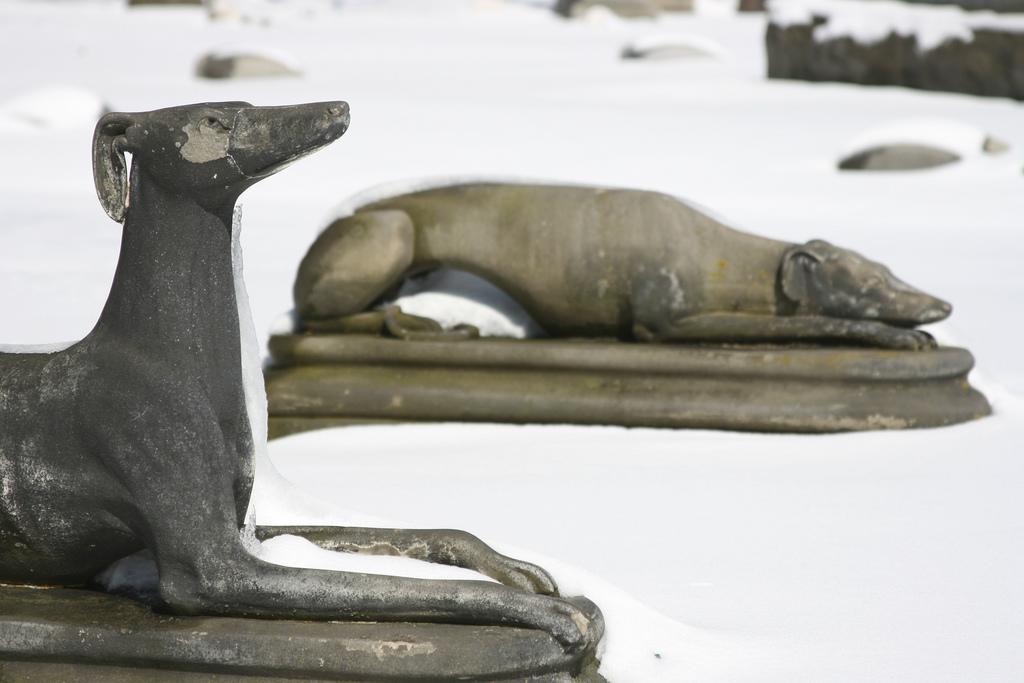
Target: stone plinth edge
(68, 635)
(328, 380)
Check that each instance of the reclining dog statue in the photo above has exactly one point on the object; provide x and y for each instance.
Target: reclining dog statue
(626, 264)
(143, 435)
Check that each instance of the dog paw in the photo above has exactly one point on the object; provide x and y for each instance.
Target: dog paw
(522, 575)
(910, 340)
(417, 328)
(466, 550)
(925, 340)
(882, 335)
(567, 623)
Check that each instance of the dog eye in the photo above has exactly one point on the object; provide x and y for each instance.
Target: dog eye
(214, 124)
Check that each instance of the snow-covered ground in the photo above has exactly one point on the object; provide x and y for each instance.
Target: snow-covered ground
(856, 557)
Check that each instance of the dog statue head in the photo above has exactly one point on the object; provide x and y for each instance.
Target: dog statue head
(823, 279)
(210, 151)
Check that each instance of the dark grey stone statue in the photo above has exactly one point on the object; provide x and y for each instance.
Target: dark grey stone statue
(138, 436)
(626, 264)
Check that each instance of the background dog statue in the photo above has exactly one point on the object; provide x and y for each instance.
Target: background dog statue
(628, 264)
(143, 434)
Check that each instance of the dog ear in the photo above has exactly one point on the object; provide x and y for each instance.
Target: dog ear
(108, 167)
(797, 260)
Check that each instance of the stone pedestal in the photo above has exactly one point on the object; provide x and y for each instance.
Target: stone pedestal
(323, 380)
(71, 636)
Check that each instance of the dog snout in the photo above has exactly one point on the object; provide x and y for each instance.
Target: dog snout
(939, 311)
(267, 139)
(338, 116)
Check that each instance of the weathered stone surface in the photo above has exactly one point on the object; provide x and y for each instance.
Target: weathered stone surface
(75, 635)
(992, 64)
(325, 380)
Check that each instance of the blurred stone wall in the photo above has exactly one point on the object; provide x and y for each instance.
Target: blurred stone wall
(992, 64)
(994, 5)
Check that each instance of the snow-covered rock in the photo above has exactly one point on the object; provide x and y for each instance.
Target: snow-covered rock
(672, 45)
(621, 8)
(916, 143)
(247, 62)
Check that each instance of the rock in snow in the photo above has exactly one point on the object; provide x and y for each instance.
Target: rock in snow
(246, 62)
(672, 46)
(915, 144)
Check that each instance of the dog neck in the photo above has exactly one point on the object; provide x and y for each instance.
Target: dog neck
(742, 275)
(173, 294)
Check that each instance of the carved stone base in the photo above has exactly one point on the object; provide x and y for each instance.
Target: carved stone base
(324, 380)
(77, 635)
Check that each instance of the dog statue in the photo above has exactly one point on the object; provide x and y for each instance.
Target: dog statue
(142, 434)
(593, 262)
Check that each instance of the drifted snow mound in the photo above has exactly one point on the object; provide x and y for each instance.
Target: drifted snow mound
(916, 144)
(672, 46)
(58, 107)
(247, 62)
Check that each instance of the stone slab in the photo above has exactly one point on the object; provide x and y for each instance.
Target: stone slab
(67, 635)
(326, 380)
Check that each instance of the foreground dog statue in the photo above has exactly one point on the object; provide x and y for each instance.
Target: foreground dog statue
(140, 435)
(626, 264)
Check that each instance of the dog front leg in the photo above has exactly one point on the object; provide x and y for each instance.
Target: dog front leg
(224, 579)
(393, 321)
(440, 546)
(204, 568)
(352, 263)
(746, 328)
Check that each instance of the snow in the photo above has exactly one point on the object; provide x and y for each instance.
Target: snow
(735, 557)
(868, 23)
(454, 297)
(35, 348)
(54, 107)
